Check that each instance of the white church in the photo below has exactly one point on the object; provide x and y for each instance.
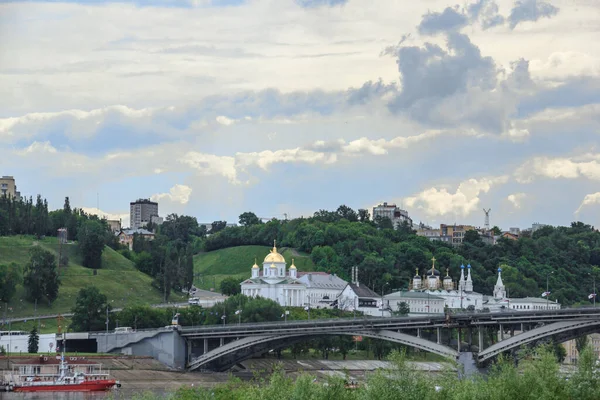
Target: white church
(461, 295)
(291, 288)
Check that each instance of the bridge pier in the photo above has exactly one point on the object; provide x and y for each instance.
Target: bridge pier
(221, 341)
(480, 334)
(418, 332)
(501, 333)
(205, 346)
(458, 341)
(439, 336)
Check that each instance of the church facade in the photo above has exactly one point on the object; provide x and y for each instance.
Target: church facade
(461, 295)
(290, 288)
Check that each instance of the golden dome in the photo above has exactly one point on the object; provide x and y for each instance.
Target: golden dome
(292, 266)
(274, 256)
(255, 266)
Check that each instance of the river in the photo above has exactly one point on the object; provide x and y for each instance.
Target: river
(116, 394)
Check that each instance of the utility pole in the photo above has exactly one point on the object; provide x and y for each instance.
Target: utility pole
(547, 292)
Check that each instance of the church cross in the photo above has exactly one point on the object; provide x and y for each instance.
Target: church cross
(433, 263)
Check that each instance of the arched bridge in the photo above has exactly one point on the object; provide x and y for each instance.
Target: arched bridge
(221, 347)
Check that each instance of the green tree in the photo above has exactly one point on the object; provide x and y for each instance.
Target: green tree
(347, 213)
(33, 341)
(89, 311)
(10, 277)
(41, 275)
(581, 342)
(217, 226)
(230, 286)
(496, 231)
(383, 222)
(249, 218)
(363, 215)
(403, 308)
(91, 235)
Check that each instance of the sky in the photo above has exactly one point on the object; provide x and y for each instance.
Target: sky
(284, 107)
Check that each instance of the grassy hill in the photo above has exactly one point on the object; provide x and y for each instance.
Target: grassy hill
(118, 279)
(212, 267)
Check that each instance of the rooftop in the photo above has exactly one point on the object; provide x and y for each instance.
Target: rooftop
(411, 295)
(363, 291)
(321, 280)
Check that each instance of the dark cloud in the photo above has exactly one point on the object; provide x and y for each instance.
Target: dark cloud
(530, 10)
(368, 91)
(457, 86)
(486, 12)
(320, 3)
(450, 20)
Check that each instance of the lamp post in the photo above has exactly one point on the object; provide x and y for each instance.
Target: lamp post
(594, 292)
(547, 293)
(382, 288)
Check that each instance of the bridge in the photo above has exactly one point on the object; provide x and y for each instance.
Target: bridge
(220, 347)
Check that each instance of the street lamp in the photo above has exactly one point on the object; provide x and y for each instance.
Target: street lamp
(594, 293)
(382, 288)
(547, 292)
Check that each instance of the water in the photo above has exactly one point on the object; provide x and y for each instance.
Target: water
(116, 394)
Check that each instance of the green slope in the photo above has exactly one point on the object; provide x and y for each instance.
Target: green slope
(118, 279)
(212, 267)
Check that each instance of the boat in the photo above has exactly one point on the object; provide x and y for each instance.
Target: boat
(55, 374)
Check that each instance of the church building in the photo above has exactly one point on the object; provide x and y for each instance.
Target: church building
(291, 288)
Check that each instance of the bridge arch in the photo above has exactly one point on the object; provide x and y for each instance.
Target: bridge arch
(224, 357)
(561, 331)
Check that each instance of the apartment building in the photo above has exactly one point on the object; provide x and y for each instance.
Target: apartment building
(394, 213)
(141, 212)
(8, 187)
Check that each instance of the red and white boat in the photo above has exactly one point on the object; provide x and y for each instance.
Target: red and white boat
(55, 374)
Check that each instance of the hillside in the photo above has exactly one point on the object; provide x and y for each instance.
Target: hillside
(118, 279)
(212, 267)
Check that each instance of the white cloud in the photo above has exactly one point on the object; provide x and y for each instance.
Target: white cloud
(586, 166)
(210, 164)
(123, 216)
(223, 120)
(177, 194)
(442, 202)
(264, 159)
(516, 199)
(38, 148)
(589, 199)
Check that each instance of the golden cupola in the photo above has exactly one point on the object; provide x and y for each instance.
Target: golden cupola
(255, 266)
(293, 266)
(274, 256)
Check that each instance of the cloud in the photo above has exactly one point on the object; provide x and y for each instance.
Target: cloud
(264, 159)
(441, 202)
(586, 166)
(485, 11)
(516, 199)
(177, 194)
(210, 164)
(589, 199)
(123, 216)
(38, 148)
(446, 21)
(320, 3)
(530, 10)
(458, 86)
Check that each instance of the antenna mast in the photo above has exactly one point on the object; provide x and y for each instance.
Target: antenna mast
(487, 218)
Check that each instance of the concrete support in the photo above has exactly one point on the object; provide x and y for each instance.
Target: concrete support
(522, 327)
(418, 332)
(221, 341)
(480, 334)
(470, 338)
(458, 341)
(439, 336)
(501, 333)
(205, 346)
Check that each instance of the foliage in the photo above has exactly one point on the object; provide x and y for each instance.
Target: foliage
(10, 277)
(2, 350)
(41, 275)
(336, 242)
(33, 341)
(89, 310)
(536, 378)
(230, 286)
(91, 236)
(403, 308)
(249, 218)
(581, 343)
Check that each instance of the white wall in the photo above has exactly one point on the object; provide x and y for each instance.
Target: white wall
(18, 343)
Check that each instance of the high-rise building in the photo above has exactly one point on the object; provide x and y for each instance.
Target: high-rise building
(8, 187)
(141, 212)
(394, 213)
